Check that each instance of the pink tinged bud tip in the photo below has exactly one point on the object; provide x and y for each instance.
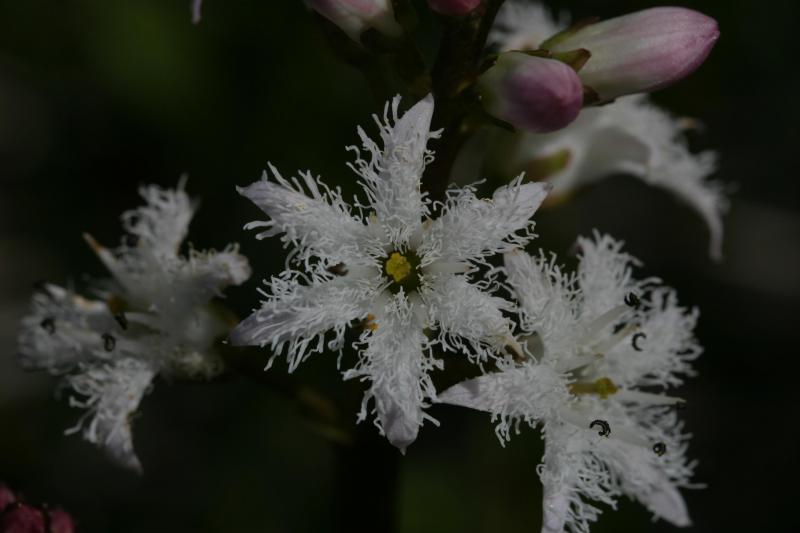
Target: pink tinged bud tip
(532, 93)
(6, 497)
(61, 522)
(356, 16)
(642, 51)
(21, 518)
(453, 8)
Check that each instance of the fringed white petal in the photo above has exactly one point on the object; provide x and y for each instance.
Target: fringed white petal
(605, 275)
(470, 320)
(471, 228)
(199, 278)
(397, 363)
(546, 294)
(528, 393)
(296, 317)
(571, 471)
(311, 217)
(111, 394)
(162, 223)
(391, 174)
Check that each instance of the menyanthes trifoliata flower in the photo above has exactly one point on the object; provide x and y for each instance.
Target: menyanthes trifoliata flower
(601, 346)
(154, 316)
(385, 263)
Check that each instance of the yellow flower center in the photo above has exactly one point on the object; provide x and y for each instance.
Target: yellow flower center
(603, 387)
(398, 267)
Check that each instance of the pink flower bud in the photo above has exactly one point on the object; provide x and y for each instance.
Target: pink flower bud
(21, 518)
(6, 497)
(531, 93)
(642, 51)
(356, 16)
(61, 522)
(453, 8)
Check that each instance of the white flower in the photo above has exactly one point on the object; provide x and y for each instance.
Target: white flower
(153, 317)
(389, 265)
(629, 136)
(598, 339)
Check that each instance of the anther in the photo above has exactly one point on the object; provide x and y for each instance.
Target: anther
(631, 300)
(635, 341)
(109, 342)
(49, 325)
(122, 320)
(660, 448)
(337, 270)
(605, 429)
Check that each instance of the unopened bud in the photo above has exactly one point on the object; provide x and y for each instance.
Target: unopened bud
(356, 16)
(453, 8)
(532, 93)
(21, 518)
(61, 522)
(640, 52)
(6, 497)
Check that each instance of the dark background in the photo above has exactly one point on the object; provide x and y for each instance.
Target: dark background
(98, 97)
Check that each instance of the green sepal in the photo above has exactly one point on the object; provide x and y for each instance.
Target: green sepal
(574, 58)
(569, 32)
(541, 168)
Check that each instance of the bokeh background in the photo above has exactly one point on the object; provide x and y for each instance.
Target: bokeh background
(98, 97)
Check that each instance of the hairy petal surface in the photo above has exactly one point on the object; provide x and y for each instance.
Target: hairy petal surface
(397, 363)
(470, 320)
(295, 317)
(471, 228)
(111, 393)
(391, 174)
(309, 216)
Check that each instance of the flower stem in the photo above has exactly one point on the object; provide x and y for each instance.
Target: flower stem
(456, 68)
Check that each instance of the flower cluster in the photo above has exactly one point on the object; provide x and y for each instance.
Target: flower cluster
(587, 357)
(155, 315)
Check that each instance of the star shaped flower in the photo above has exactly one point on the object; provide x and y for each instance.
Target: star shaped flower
(155, 316)
(602, 347)
(386, 263)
